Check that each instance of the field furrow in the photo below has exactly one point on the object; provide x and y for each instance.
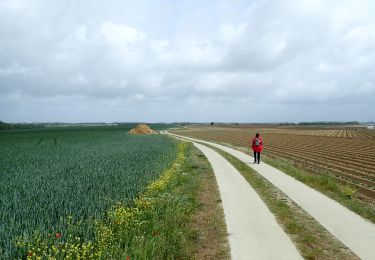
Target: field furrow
(348, 154)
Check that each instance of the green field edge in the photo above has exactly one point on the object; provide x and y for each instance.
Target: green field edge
(312, 240)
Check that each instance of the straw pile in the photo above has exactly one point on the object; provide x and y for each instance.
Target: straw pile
(142, 129)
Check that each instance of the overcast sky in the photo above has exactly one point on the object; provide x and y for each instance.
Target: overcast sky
(164, 61)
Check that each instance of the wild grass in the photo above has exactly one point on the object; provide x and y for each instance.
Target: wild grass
(208, 220)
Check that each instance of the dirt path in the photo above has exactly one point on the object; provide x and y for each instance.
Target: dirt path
(253, 230)
(351, 229)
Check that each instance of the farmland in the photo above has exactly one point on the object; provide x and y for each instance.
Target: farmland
(348, 153)
(53, 179)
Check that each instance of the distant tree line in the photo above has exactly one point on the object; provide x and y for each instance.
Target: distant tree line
(288, 123)
(8, 126)
(329, 123)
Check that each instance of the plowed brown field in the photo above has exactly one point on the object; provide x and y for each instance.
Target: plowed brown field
(347, 154)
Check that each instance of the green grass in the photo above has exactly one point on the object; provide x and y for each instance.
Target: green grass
(53, 177)
(325, 183)
(312, 240)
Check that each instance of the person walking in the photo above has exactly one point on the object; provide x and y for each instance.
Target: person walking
(257, 146)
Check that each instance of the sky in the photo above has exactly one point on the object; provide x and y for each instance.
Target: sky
(187, 61)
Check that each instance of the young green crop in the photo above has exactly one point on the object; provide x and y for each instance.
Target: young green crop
(52, 177)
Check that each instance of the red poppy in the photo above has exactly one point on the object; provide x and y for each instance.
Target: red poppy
(58, 235)
(30, 253)
(127, 257)
(156, 233)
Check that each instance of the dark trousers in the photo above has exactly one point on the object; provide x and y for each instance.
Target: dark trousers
(256, 156)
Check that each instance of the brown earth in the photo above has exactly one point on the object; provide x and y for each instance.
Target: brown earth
(351, 160)
(142, 129)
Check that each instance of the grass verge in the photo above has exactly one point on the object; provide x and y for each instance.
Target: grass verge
(170, 220)
(328, 185)
(312, 240)
(208, 221)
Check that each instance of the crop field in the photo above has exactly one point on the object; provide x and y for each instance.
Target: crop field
(347, 154)
(342, 132)
(53, 178)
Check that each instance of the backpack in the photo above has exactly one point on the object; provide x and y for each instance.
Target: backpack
(257, 141)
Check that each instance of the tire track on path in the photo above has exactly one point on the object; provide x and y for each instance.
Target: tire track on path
(352, 230)
(253, 230)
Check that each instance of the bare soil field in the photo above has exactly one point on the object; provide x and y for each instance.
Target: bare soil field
(348, 153)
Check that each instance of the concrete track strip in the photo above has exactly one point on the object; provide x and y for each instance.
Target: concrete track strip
(253, 230)
(351, 229)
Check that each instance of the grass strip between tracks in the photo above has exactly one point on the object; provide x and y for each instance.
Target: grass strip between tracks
(311, 239)
(177, 217)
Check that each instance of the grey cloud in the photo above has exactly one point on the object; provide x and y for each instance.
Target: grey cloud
(271, 56)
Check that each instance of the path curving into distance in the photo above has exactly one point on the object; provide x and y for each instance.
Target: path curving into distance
(253, 230)
(351, 229)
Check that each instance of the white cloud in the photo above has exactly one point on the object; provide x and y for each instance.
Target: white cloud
(367, 88)
(229, 33)
(78, 79)
(16, 70)
(265, 55)
(121, 34)
(323, 67)
(14, 5)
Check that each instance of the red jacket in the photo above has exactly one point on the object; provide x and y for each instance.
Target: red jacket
(258, 148)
